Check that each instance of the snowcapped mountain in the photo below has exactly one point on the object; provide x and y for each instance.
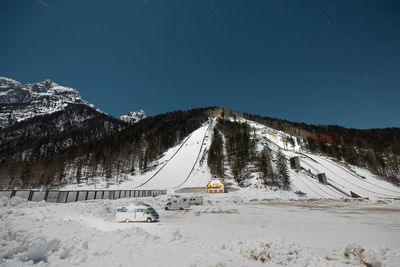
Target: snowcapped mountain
(134, 116)
(41, 119)
(20, 102)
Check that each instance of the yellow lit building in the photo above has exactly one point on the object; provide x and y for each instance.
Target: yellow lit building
(215, 186)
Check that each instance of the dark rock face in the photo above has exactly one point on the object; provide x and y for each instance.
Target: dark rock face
(39, 120)
(21, 102)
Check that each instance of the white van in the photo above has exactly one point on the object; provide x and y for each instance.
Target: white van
(177, 203)
(136, 213)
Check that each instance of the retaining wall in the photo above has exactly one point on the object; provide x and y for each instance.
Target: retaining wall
(57, 196)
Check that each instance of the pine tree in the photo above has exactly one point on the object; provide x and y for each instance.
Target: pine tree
(372, 162)
(311, 144)
(283, 170)
(215, 155)
(79, 172)
(265, 167)
(61, 174)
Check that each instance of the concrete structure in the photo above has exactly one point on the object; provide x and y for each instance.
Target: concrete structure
(215, 186)
(65, 196)
(295, 163)
(322, 178)
(192, 190)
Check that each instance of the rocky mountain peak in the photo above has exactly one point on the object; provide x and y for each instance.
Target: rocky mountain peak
(23, 101)
(134, 116)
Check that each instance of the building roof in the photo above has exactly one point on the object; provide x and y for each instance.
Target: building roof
(215, 181)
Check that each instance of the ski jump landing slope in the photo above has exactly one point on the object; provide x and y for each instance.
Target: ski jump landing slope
(185, 167)
(341, 177)
(365, 186)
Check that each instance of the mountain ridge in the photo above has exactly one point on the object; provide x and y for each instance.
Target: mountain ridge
(47, 122)
(19, 102)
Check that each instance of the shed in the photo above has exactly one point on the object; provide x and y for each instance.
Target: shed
(322, 178)
(215, 186)
(295, 163)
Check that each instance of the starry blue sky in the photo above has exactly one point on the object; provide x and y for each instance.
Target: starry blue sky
(321, 62)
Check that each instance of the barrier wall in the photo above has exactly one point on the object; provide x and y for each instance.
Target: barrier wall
(56, 196)
(5, 193)
(72, 196)
(62, 197)
(82, 195)
(91, 195)
(23, 194)
(52, 196)
(99, 194)
(38, 195)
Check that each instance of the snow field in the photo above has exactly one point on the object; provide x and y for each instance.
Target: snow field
(251, 227)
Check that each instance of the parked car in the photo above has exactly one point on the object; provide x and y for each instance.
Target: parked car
(177, 203)
(137, 213)
(184, 199)
(197, 200)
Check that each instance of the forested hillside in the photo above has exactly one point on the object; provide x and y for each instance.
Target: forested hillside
(46, 135)
(81, 144)
(126, 151)
(375, 149)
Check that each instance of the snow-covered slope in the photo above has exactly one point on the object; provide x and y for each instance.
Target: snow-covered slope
(342, 178)
(184, 168)
(134, 116)
(184, 165)
(19, 102)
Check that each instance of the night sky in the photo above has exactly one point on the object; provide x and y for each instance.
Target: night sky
(320, 62)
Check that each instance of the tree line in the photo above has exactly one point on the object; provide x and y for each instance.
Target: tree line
(234, 143)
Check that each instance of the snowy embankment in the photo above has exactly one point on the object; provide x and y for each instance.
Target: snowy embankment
(245, 228)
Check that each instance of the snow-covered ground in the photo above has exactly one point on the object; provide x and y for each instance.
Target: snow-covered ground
(251, 227)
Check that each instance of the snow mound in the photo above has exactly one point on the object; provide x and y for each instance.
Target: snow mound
(280, 252)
